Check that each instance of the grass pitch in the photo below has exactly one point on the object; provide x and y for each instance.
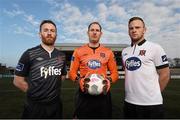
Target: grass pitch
(12, 99)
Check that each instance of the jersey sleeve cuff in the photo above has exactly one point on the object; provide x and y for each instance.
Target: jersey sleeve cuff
(162, 66)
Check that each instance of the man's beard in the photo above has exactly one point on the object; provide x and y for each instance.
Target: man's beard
(49, 41)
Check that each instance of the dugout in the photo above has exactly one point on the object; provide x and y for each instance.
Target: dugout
(68, 49)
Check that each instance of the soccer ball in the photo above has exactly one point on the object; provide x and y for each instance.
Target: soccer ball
(95, 84)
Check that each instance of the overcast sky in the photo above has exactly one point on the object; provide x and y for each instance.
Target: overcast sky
(19, 23)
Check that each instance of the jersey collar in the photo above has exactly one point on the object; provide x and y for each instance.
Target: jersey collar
(95, 47)
(140, 43)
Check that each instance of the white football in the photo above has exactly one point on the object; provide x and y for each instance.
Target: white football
(95, 85)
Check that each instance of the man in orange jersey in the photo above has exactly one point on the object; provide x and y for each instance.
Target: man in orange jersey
(93, 58)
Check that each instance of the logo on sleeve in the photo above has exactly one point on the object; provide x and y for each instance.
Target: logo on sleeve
(164, 58)
(94, 64)
(133, 63)
(20, 67)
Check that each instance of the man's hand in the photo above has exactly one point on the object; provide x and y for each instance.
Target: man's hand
(20, 82)
(107, 85)
(83, 84)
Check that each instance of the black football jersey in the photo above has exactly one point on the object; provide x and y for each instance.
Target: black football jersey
(43, 71)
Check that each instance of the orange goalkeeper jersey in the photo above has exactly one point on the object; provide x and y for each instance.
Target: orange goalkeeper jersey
(88, 60)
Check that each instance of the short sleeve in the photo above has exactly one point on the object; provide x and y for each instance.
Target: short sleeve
(22, 68)
(160, 58)
(64, 69)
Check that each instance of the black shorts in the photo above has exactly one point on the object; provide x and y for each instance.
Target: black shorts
(36, 110)
(88, 106)
(138, 111)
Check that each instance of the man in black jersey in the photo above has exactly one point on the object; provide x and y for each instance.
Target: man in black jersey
(39, 73)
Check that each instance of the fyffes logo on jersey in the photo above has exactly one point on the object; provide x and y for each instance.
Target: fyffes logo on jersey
(49, 71)
(133, 63)
(93, 64)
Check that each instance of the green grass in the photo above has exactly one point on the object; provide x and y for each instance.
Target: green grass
(171, 97)
(12, 99)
